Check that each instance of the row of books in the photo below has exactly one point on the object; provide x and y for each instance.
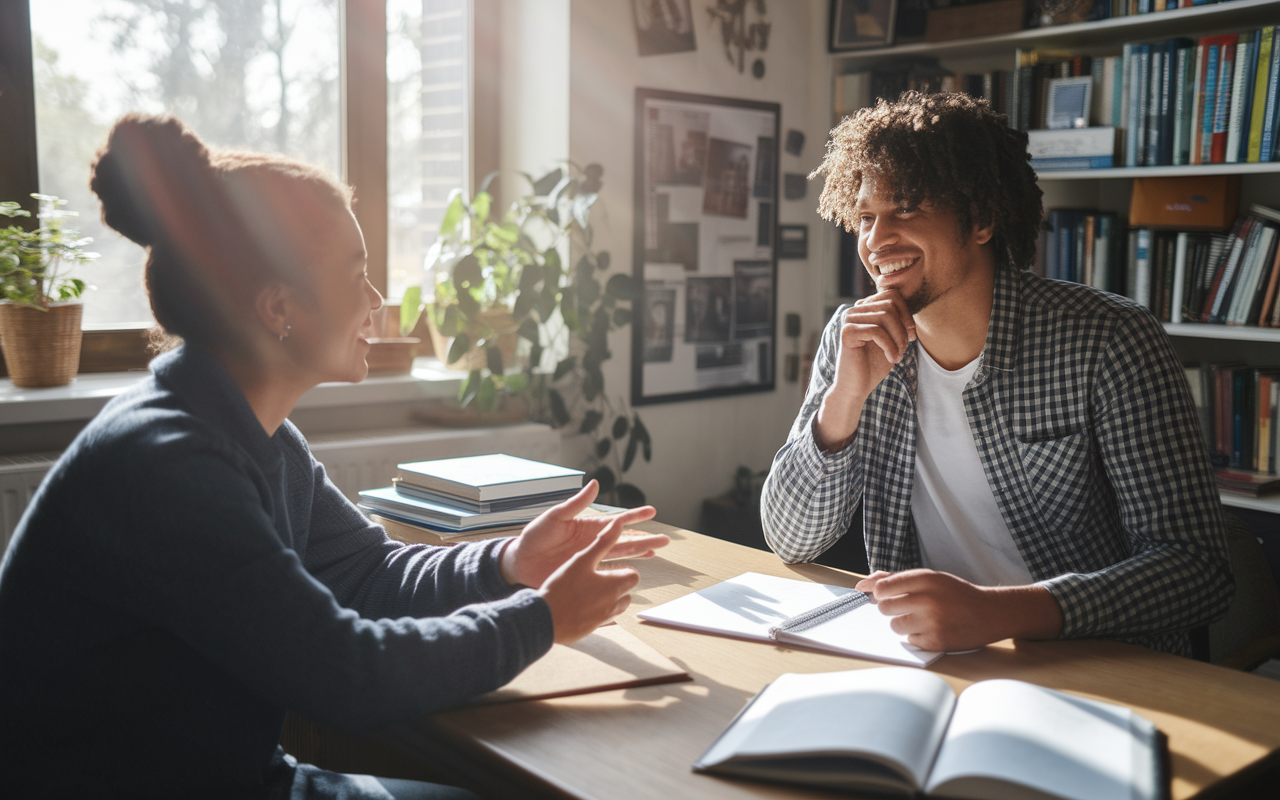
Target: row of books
(1178, 102)
(1219, 278)
(1107, 9)
(455, 497)
(1239, 408)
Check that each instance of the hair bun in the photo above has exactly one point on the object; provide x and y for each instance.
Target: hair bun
(147, 163)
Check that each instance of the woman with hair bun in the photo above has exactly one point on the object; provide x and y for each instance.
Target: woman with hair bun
(186, 572)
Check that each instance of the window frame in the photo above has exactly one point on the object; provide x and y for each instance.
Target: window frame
(363, 91)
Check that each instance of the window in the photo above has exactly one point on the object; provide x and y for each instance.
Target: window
(428, 130)
(261, 74)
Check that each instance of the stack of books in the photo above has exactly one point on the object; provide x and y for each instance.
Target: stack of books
(455, 497)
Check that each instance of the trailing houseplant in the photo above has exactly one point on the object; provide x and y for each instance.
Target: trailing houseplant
(40, 316)
(504, 302)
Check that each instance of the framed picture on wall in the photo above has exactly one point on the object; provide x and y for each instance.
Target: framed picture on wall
(706, 202)
(860, 24)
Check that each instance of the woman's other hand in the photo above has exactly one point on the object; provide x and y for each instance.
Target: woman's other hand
(559, 533)
(583, 597)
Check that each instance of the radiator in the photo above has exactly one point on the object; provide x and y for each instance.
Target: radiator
(354, 461)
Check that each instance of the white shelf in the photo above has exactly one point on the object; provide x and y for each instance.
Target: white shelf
(1194, 21)
(1271, 505)
(1158, 172)
(1237, 333)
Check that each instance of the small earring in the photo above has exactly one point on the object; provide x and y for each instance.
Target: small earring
(287, 328)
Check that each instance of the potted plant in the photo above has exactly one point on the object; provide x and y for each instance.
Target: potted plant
(502, 301)
(40, 310)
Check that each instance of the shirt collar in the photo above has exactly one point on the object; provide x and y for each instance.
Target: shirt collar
(208, 392)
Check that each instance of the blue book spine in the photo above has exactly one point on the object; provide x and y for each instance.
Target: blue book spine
(1072, 162)
(1246, 107)
(1144, 102)
(1155, 96)
(1210, 92)
(1269, 117)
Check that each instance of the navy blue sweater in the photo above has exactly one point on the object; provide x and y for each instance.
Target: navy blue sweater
(181, 579)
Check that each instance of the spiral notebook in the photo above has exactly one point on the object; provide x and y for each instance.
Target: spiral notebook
(765, 608)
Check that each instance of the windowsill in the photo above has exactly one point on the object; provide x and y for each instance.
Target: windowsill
(85, 396)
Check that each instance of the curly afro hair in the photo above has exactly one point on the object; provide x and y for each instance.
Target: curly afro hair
(949, 149)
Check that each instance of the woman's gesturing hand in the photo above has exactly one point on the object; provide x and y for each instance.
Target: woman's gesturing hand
(583, 597)
(559, 533)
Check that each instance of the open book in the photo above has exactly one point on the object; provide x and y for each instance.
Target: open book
(902, 731)
(761, 607)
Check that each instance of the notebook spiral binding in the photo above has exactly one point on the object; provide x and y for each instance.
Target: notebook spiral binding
(820, 614)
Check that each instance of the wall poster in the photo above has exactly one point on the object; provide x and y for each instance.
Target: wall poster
(705, 246)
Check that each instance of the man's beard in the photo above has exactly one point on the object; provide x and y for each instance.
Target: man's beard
(920, 298)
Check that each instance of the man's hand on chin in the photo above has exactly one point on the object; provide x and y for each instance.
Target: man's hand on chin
(940, 612)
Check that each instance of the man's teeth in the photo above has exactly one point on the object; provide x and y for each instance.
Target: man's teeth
(890, 267)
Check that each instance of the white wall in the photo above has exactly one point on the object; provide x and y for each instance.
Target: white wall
(696, 445)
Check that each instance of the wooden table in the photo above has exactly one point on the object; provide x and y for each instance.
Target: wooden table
(639, 743)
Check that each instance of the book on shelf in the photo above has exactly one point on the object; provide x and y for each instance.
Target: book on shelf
(1247, 484)
(489, 477)
(1178, 101)
(898, 732)
(1072, 148)
(765, 608)
(1239, 408)
(548, 499)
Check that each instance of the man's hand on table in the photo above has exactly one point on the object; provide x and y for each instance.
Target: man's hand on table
(940, 612)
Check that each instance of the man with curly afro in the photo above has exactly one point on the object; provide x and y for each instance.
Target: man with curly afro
(1025, 452)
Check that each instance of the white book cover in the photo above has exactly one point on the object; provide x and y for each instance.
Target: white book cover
(1142, 268)
(748, 606)
(490, 477)
(1252, 279)
(1239, 82)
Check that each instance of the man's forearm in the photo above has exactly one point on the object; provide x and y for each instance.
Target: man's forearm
(837, 419)
(1025, 612)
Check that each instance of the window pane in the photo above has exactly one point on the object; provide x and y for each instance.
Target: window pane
(427, 127)
(260, 74)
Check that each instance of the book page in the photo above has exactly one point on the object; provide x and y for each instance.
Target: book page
(892, 715)
(1009, 732)
(744, 606)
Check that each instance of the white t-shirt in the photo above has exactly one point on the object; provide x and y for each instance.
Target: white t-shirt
(960, 527)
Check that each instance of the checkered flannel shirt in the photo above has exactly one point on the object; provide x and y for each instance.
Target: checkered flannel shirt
(1091, 445)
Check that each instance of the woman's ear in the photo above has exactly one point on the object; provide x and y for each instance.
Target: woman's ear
(273, 305)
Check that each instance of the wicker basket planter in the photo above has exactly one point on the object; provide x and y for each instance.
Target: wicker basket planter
(41, 348)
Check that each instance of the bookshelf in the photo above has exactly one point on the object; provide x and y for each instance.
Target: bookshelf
(1110, 189)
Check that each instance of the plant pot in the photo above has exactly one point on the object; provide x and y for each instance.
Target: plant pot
(500, 319)
(391, 356)
(41, 348)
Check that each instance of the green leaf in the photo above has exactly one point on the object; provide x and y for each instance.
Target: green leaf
(629, 495)
(459, 349)
(592, 384)
(621, 317)
(410, 309)
(570, 316)
(467, 272)
(565, 367)
(543, 186)
(559, 413)
(525, 301)
(620, 427)
(449, 326)
(516, 382)
(640, 429)
(487, 398)
(467, 303)
(452, 213)
(480, 205)
(602, 447)
(590, 421)
(623, 287)
(602, 260)
(493, 356)
(588, 289)
(535, 356)
(551, 262)
(530, 274)
(488, 179)
(529, 330)
(633, 446)
(606, 479)
(469, 388)
(547, 301)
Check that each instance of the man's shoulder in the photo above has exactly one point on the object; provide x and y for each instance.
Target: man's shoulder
(1071, 306)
